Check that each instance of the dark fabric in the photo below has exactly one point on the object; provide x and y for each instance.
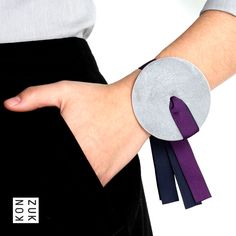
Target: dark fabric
(41, 158)
(164, 171)
(144, 65)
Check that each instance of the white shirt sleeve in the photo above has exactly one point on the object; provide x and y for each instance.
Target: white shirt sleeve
(228, 6)
(28, 20)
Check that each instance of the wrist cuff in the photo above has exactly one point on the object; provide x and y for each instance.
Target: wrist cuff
(153, 89)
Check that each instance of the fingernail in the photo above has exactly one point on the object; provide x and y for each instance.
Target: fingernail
(13, 101)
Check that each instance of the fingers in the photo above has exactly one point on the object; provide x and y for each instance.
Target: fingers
(38, 96)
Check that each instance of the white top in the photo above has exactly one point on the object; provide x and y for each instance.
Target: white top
(27, 20)
(228, 6)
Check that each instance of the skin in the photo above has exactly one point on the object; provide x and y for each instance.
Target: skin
(101, 116)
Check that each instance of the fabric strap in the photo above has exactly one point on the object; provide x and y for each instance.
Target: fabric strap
(175, 159)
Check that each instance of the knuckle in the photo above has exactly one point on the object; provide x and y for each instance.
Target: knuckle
(63, 82)
(29, 92)
(64, 86)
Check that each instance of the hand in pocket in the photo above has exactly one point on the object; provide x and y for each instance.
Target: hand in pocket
(100, 117)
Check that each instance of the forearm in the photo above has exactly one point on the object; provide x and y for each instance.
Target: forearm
(210, 44)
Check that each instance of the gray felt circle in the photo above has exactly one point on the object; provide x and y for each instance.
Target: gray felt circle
(157, 83)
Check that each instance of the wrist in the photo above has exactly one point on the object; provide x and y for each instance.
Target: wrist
(167, 87)
(122, 92)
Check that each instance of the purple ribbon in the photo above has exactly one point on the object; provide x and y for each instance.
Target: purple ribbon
(176, 158)
(191, 171)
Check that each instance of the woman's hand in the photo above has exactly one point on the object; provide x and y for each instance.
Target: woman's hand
(100, 117)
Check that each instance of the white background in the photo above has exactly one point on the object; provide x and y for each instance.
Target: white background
(127, 34)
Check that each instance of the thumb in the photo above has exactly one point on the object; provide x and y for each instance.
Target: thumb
(36, 97)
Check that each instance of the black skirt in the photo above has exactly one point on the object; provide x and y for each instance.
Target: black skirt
(40, 158)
